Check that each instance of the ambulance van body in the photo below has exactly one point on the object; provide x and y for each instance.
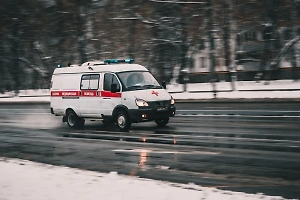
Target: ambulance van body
(115, 91)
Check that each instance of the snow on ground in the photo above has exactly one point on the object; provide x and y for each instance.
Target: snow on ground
(239, 85)
(26, 180)
(243, 90)
(41, 95)
(239, 95)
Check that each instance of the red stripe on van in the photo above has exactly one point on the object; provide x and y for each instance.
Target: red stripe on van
(89, 93)
(64, 93)
(70, 93)
(110, 94)
(85, 93)
(55, 93)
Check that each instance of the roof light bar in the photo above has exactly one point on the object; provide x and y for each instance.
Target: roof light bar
(110, 61)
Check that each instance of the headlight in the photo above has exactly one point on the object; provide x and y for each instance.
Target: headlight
(141, 102)
(172, 102)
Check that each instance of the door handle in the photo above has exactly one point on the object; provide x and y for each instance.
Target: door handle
(106, 98)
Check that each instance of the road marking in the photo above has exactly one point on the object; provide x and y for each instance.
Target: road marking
(163, 152)
(15, 109)
(271, 111)
(250, 185)
(132, 150)
(30, 113)
(234, 115)
(211, 110)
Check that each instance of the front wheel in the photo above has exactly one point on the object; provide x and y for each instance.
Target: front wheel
(162, 122)
(123, 121)
(73, 120)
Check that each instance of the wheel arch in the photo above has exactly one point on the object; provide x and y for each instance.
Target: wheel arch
(76, 122)
(64, 119)
(117, 109)
(70, 109)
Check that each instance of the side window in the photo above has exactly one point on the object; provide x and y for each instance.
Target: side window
(115, 80)
(94, 81)
(108, 80)
(89, 82)
(85, 82)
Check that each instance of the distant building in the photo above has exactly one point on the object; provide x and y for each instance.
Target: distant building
(200, 58)
(256, 47)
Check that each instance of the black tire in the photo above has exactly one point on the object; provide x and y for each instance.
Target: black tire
(162, 122)
(73, 120)
(123, 120)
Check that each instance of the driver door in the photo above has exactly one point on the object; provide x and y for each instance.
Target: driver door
(110, 99)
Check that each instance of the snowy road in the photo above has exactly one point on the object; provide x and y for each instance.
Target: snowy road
(211, 146)
(221, 151)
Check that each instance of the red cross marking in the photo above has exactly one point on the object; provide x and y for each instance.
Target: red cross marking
(154, 92)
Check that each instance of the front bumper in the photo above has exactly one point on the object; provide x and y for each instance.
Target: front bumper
(149, 114)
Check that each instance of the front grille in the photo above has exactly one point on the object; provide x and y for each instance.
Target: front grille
(158, 104)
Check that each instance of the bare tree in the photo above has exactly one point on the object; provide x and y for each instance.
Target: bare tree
(40, 34)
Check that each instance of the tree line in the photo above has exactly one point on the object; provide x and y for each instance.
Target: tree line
(38, 35)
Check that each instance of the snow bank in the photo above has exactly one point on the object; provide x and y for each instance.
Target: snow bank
(26, 180)
(243, 90)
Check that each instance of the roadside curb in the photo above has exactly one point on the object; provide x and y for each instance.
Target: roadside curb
(239, 90)
(211, 100)
(23, 102)
(240, 100)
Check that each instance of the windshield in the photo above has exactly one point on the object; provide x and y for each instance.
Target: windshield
(138, 80)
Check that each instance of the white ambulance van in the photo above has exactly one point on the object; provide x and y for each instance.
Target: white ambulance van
(115, 91)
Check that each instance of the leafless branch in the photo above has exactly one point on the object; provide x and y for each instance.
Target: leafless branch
(178, 2)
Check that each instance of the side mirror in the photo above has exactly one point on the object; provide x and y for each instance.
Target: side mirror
(114, 88)
(164, 85)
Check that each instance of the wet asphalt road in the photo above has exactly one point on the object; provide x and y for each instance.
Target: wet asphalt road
(250, 147)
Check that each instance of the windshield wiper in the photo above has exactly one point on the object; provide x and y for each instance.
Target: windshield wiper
(135, 87)
(152, 86)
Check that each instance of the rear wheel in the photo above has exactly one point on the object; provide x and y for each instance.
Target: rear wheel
(123, 121)
(162, 122)
(73, 120)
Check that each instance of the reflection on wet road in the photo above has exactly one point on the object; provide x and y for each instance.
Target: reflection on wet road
(220, 146)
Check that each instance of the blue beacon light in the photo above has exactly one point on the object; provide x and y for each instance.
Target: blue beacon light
(109, 61)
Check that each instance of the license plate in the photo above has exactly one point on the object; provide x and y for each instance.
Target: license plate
(162, 109)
